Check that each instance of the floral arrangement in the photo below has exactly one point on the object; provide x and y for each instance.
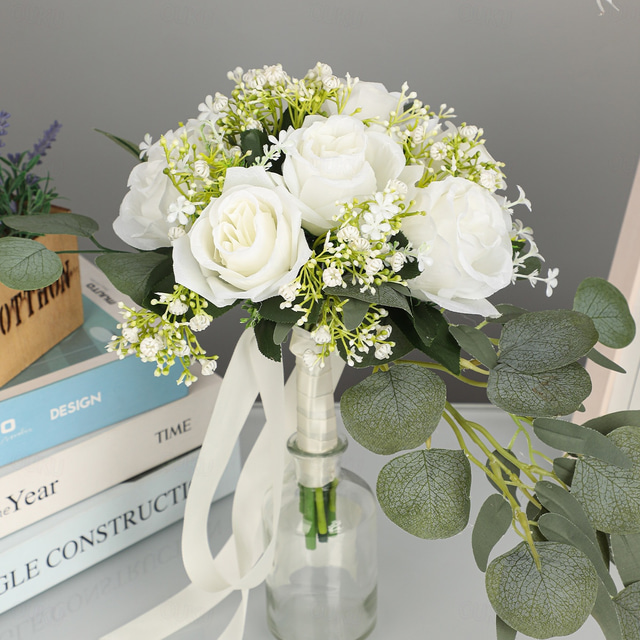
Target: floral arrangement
(368, 218)
(23, 192)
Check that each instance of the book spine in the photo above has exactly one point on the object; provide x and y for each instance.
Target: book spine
(103, 526)
(81, 404)
(54, 482)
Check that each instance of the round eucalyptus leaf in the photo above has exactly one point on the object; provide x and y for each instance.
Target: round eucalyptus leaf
(610, 495)
(550, 393)
(427, 492)
(394, 410)
(72, 224)
(545, 340)
(554, 600)
(608, 309)
(628, 607)
(27, 265)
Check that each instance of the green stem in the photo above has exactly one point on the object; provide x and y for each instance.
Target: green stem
(439, 367)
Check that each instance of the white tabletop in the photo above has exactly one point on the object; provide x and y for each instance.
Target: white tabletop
(428, 590)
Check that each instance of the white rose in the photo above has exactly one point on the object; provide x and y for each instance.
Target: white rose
(142, 221)
(464, 242)
(337, 159)
(246, 244)
(371, 98)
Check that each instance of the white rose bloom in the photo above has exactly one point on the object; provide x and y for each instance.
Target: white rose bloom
(337, 159)
(142, 221)
(468, 238)
(246, 244)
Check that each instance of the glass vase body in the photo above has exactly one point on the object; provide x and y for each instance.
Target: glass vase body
(323, 585)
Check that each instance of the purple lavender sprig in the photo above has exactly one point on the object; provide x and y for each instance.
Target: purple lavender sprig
(4, 123)
(41, 147)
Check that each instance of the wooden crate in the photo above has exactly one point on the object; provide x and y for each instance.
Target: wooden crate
(32, 322)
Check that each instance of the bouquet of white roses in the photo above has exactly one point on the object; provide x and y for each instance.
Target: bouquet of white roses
(364, 216)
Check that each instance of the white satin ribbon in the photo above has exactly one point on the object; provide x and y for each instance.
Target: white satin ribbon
(246, 558)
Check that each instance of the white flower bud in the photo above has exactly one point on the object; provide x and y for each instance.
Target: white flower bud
(397, 261)
(383, 351)
(220, 103)
(130, 334)
(373, 266)
(208, 366)
(332, 277)
(177, 307)
(181, 349)
(321, 335)
(331, 82)
(348, 233)
(397, 186)
(149, 347)
(199, 322)
(438, 151)
(201, 169)
(360, 244)
(288, 292)
(470, 131)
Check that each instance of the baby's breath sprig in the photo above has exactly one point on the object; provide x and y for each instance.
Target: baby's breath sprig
(165, 338)
(359, 252)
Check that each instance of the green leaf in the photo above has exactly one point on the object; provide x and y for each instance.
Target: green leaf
(558, 500)
(270, 310)
(268, 347)
(476, 344)
(385, 295)
(353, 313)
(564, 468)
(394, 410)
(136, 274)
(573, 438)
(72, 224)
(628, 607)
(131, 147)
(553, 601)
(26, 264)
(604, 540)
(426, 492)
(281, 331)
(252, 141)
(557, 528)
(610, 495)
(608, 309)
(504, 631)
(607, 423)
(444, 349)
(626, 555)
(551, 393)
(493, 521)
(602, 361)
(515, 470)
(541, 341)
(605, 614)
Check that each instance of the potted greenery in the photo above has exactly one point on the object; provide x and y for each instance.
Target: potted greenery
(33, 319)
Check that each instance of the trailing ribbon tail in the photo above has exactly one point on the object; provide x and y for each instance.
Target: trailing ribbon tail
(246, 559)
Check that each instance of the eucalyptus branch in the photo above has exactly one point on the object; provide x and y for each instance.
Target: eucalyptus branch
(440, 367)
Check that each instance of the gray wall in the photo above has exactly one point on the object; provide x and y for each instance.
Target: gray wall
(555, 86)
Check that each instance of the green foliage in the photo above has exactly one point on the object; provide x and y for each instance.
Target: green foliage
(504, 631)
(265, 338)
(608, 309)
(61, 223)
(26, 264)
(426, 492)
(394, 410)
(476, 344)
(139, 275)
(606, 615)
(610, 495)
(128, 146)
(551, 393)
(607, 423)
(513, 469)
(552, 600)
(626, 554)
(628, 606)
(493, 521)
(252, 143)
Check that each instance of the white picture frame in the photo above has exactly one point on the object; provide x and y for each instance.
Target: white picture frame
(616, 391)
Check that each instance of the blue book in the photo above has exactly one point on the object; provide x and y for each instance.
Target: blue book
(77, 387)
(56, 548)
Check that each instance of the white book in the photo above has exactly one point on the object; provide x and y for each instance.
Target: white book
(43, 484)
(69, 542)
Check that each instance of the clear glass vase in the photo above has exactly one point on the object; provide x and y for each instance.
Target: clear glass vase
(323, 582)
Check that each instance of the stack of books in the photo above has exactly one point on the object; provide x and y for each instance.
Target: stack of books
(96, 453)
